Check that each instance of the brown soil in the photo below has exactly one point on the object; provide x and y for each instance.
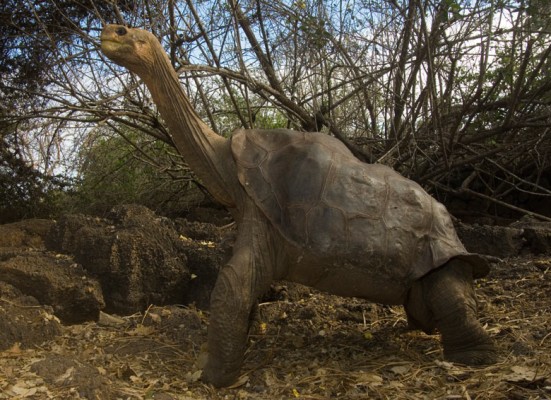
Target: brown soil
(303, 344)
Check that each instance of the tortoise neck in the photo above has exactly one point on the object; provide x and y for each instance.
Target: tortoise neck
(207, 153)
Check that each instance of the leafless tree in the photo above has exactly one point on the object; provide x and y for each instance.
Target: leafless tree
(454, 94)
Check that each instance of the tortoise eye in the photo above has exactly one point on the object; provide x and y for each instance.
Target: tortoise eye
(121, 31)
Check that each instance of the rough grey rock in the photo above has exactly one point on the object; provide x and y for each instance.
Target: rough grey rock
(137, 256)
(525, 236)
(207, 250)
(23, 321)
(497, 241)
(28, 233)
(537, 235)
(54, 280)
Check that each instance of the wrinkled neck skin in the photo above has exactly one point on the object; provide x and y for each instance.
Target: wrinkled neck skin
(207, 153)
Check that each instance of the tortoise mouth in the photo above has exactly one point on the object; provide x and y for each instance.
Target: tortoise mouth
(109, 46)
(106, 41)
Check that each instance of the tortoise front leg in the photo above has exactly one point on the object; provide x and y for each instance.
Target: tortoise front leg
(230, 307)
(247, 275)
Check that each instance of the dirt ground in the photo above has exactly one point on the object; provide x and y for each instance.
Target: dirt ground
(303, 345)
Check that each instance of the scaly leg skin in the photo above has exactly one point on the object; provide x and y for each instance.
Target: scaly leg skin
(445, 299)
(247, 275)
(228, 326)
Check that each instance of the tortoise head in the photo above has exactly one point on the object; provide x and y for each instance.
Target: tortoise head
(135, 49)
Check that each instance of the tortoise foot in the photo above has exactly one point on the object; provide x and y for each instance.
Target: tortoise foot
(482, 354)
(218, 377)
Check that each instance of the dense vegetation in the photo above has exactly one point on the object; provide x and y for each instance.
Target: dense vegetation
(455, 94)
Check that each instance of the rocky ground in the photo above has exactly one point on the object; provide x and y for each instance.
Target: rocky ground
(82, 315)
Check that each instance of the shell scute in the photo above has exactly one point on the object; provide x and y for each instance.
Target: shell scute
(303, 165)
(355, 190)
(251, 153)
(326, 230)
(408, 205)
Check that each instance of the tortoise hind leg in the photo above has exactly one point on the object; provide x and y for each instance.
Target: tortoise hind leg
(445, 300)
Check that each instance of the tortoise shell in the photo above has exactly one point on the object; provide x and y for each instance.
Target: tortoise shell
(327, 202)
